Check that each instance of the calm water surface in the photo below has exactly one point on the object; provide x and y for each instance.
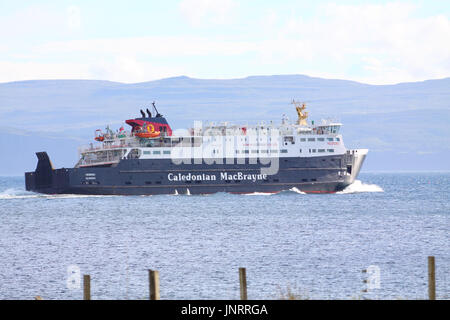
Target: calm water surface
(316, 245)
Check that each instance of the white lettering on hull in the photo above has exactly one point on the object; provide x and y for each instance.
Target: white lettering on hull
(213, 177)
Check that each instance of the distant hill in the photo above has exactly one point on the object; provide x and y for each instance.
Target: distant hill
(405, 126)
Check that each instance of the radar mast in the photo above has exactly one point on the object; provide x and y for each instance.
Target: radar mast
(302, 115)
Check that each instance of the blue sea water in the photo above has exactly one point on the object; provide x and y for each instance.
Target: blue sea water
(313, 245)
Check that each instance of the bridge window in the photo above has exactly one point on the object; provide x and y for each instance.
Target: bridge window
(330, 150)
(311, 139)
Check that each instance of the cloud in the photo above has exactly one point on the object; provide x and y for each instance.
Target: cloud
(33, 21)
(199, 12)
(153, 46)
(120, 69)
(386, 40)
(13, 71)
(371, 43)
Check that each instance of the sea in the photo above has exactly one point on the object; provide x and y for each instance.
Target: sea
(370, 241)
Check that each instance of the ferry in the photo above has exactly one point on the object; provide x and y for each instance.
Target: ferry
(150, 159)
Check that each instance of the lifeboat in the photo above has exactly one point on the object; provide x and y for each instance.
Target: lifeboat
(149, 132)
(99, 136)
(153, 134)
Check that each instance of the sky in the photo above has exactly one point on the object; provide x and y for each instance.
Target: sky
(376, 42)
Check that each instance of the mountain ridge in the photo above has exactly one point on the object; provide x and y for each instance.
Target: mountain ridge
(406, 118)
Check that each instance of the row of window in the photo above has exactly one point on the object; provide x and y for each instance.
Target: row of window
(311, 150)
(319, 150)
(319, 139)
(256, 151)
(157, 152)
(248, 151)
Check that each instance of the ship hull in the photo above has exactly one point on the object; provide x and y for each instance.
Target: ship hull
(327, 174)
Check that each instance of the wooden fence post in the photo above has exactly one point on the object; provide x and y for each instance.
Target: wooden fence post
(243, 283)
(431, 279)
(153, 278)
(87, 287)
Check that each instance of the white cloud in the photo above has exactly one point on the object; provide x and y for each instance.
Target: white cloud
(390, 43)
(198, 12)
(13, 71)
(33, 21)
(154, 46)
(120, 69)
(379, 44)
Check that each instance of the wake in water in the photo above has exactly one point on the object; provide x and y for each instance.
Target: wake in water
(11, 193)
(294, 189)
(358, 187)
(259, 194)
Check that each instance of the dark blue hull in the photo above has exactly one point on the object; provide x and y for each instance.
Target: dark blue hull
(326, 174)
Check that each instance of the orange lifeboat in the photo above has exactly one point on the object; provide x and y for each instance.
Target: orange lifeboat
(154, 134)
(99, 136)
(149, 132)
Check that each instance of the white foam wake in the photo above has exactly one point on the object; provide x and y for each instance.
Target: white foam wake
(259, 194)
(357, 186)
(11, 193)
(294, 189)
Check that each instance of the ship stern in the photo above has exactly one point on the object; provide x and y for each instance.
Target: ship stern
(45, 179)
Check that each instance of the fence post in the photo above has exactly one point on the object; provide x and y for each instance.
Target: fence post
(153, 278)
(431, 279)
(243, 283)
(86, 287)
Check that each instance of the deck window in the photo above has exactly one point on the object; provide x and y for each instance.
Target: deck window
(311, 139)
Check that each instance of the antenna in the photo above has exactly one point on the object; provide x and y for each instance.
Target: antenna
(157, 113)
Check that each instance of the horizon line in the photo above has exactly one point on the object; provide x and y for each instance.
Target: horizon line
(223, 79)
